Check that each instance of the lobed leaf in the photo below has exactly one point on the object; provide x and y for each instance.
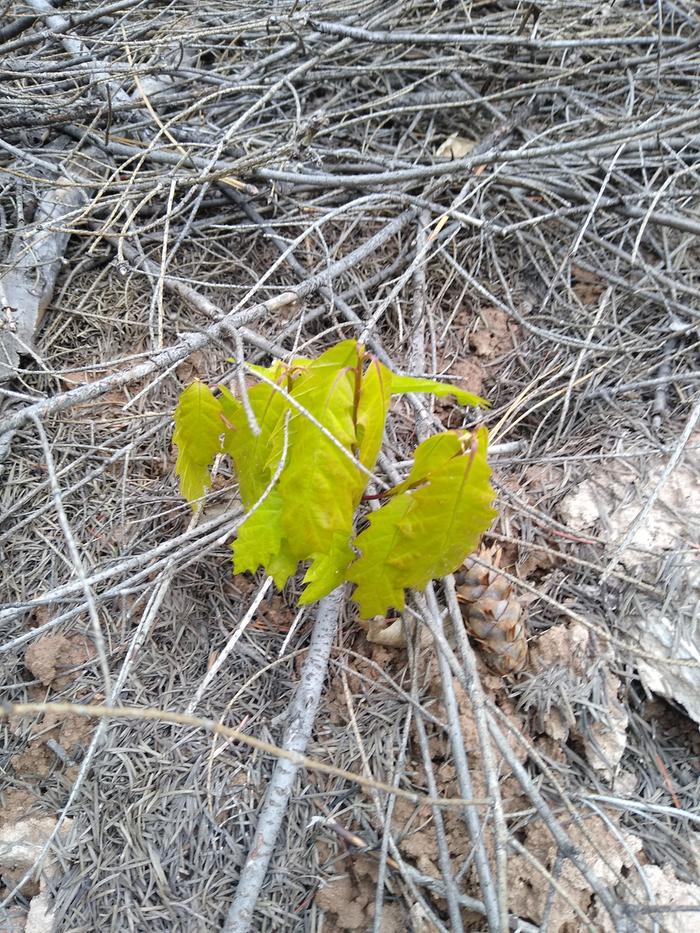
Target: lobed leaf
(430, 455)
(260, 542)
(327, 571)
(373, 407)
(428, 526)
(197, 436)
(253, 455)
(424, 532)
(311, 514)
(320, 485)
(402, 384)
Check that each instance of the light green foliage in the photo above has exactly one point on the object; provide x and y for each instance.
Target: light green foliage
(328, 570)
(402, 384)
(428, 456)
(372, 409)
(198, 430)
(428, 528)
(261, 541)
(329, 415)
(320, 485)
(253, 455)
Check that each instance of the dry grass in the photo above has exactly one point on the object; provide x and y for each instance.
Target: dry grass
(557, 265)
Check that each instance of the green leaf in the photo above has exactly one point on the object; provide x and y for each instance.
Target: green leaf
(327, 571)
(331, 413)
(252, 455)
(379, 586)
(425, 532)
(260, 538)
(320, 485)
(372, 410)
(279, 367)
(198, 430)
(310, 515)
(430, 455)
(325, 389)
(260, 542)
(402, 384)
(272, 372)
(259, 535)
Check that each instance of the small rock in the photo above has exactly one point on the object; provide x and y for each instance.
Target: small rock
(40, 917)
(21, 842)
(666, 890)
(20, 846)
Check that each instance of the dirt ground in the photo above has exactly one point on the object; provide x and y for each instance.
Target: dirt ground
(503, 195)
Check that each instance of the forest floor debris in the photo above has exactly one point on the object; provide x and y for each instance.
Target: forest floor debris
(503, 196)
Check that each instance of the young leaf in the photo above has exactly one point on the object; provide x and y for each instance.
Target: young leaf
(424, 532)
(327, 571)
(429, 524)
(279, 367)
(319, 484)
(260, 542)
(402, 384)
(372, 410)
(253, 455)
(198, 430)
(430, 455)
(310, 513)
(272, 372)
(380, 585)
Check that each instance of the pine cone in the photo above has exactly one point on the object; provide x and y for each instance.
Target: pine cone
(493, 616)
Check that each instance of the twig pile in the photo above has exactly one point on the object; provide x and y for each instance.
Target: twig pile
(500, 191)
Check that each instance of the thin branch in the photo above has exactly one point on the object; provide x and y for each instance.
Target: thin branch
(302, 714)
(294, 758)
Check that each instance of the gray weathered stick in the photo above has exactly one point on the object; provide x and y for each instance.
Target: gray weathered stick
(301, 719)
(34, 263)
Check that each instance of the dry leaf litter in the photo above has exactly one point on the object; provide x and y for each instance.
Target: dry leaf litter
(501, 195)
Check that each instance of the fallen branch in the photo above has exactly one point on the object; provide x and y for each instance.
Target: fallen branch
(34, 262)
(298, 760)
(223, 323)
(162, 360)
(302, 714)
